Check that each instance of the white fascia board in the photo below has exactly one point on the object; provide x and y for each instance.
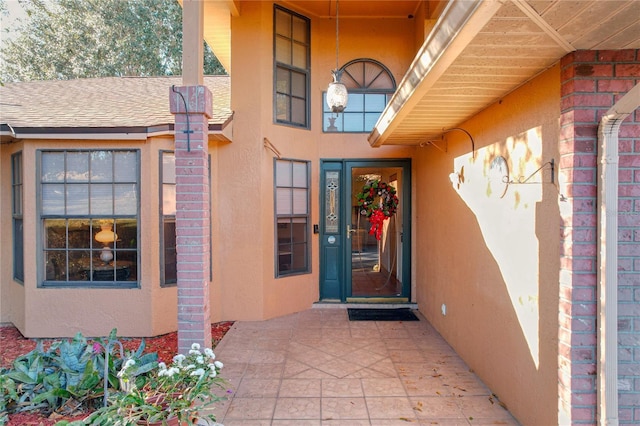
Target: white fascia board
(457, 26)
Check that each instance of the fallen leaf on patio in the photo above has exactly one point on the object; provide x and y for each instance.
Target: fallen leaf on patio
(404, 419)
(418, 406)
(462, 389)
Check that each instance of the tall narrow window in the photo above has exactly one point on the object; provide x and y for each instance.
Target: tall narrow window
(168, 261)
(89, 208)
(16, 207)
(291, 41)
(292, 216)
(370, 85)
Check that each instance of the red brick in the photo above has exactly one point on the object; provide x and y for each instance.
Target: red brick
(584, 56)
(589, 131)
(583, 295)
(628, 70)
(584, 115)
(580, 190)
(584, 205)
(583, 324)
(615, 85)
(629, 190)
(627, 55)
(582, 355)
(584, 309)
(595, 100)
(579, 415)
(629, 130)
(629, 161)
(625, 146)
(585, 280)
(586, 219)
(583, 85)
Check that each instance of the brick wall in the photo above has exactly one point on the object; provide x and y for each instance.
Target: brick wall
(192, 107)
(592, 81)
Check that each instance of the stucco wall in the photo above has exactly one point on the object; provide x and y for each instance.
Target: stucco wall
(245, 167)
(55, 312)
(488, 265)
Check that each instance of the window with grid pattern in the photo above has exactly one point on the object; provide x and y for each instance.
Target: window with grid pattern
(291, 44)
(89, 210)
(370, 85)
(292, 216)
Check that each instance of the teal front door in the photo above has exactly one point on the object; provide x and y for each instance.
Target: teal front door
(358, 264)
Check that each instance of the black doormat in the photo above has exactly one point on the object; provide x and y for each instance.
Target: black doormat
(401, 314)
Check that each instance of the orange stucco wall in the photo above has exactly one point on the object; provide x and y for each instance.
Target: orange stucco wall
(245, 168)
(243, 286)
(56, 312)
(493, 262)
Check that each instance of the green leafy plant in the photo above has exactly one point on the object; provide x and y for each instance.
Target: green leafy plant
(68, 374)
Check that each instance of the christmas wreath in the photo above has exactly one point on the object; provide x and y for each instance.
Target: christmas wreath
(378, 202)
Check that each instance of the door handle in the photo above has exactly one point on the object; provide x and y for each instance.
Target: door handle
(350, 231)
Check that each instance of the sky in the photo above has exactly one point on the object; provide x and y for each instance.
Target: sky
(6, 21)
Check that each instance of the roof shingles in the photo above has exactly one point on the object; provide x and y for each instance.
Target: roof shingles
(111, 102)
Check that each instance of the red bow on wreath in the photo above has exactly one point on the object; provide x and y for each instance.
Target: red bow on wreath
(377, 219)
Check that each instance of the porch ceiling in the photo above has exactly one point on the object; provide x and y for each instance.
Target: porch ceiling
(492, 48)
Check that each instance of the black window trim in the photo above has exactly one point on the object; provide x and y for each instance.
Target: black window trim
(276, 266)
(290, 68)
(17, 214)
(162, 216)
(116, 285)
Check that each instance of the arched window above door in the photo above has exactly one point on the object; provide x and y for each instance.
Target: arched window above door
(370, 85)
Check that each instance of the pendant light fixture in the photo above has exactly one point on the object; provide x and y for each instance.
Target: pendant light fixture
(337, 95)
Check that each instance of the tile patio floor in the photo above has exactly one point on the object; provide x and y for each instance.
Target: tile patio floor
(318, 368)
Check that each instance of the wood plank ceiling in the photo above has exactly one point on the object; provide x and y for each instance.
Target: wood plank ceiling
(521, 40)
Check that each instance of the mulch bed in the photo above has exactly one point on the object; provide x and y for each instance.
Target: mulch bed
(13, 344)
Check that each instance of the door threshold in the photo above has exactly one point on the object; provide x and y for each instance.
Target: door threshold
(325, 304)
(377, 300)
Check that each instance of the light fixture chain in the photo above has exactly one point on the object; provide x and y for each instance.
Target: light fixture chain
(337, 31)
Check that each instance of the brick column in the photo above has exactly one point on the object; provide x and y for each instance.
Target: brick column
(192, 213)
(592, 81)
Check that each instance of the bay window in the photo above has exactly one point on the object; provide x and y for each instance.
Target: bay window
(89, 211)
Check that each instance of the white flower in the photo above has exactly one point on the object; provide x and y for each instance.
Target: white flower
(190, 367)
(195, 346)
(208, 352)
(218, 364)
(162, 366)
(199, 372)
(179, 358)
(213, 373)
(171, 371)
(200, 359)
(212, 367)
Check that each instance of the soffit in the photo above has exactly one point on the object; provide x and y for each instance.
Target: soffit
(493, 48)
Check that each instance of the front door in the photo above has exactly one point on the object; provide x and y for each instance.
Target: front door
(365, 231)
